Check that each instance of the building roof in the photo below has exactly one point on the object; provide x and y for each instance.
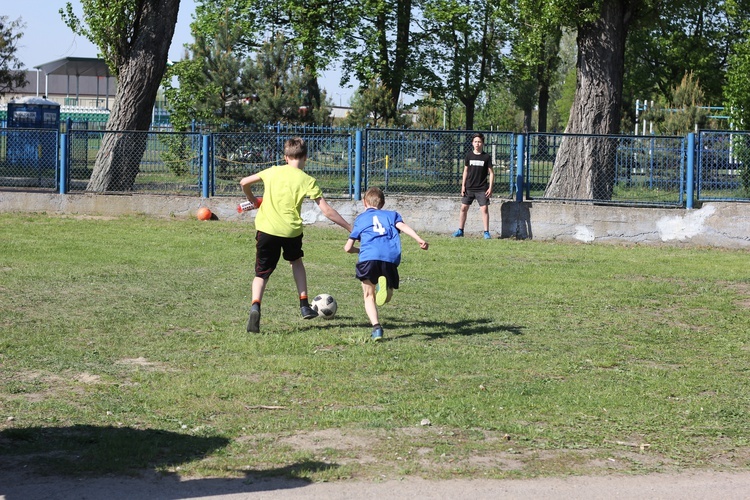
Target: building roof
(76, 66)
(34, 101)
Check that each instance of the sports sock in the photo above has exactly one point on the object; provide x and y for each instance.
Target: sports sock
(303, 301)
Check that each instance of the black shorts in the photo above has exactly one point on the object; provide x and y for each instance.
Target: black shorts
(480, 196)
(268, 249)
(373, 269)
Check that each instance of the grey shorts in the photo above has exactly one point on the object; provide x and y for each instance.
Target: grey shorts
(480, 196)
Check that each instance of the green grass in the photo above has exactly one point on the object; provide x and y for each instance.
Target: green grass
(123, 348)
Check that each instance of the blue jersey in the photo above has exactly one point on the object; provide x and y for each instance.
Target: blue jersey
(378, 236)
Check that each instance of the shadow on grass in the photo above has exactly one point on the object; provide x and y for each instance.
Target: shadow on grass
(84, 456)
(431, 329)
(440, 329)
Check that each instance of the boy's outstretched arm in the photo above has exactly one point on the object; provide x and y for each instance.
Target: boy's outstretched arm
(404, 228)
(349, 246)
(332, 214)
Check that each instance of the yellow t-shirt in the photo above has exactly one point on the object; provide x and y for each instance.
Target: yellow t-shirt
(284, 189)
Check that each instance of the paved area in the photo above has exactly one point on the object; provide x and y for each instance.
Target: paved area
(15, 485)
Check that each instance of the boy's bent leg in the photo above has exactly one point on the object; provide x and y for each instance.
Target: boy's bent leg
(383, 292)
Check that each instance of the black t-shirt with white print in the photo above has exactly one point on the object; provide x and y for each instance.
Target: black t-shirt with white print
(479, 165)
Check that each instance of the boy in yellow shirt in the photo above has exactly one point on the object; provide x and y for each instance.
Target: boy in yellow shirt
(278, 223)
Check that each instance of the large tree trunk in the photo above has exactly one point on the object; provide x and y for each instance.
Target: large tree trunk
(138, 79)
(584, 166)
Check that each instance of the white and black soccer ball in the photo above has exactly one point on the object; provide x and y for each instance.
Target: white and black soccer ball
(325, 305)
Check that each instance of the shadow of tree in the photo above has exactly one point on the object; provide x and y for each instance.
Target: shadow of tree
(85, 449)
(33, 457)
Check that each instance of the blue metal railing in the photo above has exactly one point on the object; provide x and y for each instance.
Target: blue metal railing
(628, 170)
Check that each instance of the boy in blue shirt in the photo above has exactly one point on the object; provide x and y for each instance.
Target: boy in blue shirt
(378, 232)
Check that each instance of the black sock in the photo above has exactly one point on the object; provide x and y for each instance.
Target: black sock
(376, 325)
(303, 302)
(256, 305)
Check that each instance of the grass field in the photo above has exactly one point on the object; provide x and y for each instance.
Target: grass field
(123, 347)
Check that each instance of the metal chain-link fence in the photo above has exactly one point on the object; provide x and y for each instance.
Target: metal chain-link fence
(633, 170)
(29, 158)
(137, 162)
(723, 157)
(429, 162)
(627, 170)
(236, 155)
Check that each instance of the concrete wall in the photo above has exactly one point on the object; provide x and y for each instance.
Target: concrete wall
(714, 224)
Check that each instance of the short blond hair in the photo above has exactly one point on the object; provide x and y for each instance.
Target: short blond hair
(295, 148)
(375, 197)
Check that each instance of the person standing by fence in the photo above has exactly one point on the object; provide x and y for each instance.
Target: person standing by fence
(475, 185)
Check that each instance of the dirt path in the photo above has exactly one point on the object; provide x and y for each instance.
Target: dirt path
(693, 485)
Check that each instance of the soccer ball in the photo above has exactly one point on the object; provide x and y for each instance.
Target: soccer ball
(203, 213)
(324, 305)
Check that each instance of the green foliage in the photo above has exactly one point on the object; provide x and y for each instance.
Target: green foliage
(372, 106)
(742, 151)
(279, 83)
(463, 50)
(109, 24)
(685, 112)
(498, 110)
(429, 116)
(678, 37)
(381, 46)
(124, 348)
(737, 91)
(179, 153)
(11, 76)
(229, 81)
(239, 17)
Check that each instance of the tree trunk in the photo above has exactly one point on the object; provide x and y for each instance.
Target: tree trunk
(528, 111)
(470, 104)
(401, 51)
(138, 79)
(584, 166)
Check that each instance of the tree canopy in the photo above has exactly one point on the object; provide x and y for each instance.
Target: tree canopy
(11, 76)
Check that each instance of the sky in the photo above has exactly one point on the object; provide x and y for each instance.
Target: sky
(46, 38)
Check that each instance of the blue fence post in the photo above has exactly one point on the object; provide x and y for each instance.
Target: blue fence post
(519, 167)
(358, 166)
(349, 165)
(205, 175)
(63, 163)
(690, 191)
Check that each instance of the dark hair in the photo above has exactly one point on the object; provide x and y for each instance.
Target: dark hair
(295, 148)
(478, 134)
